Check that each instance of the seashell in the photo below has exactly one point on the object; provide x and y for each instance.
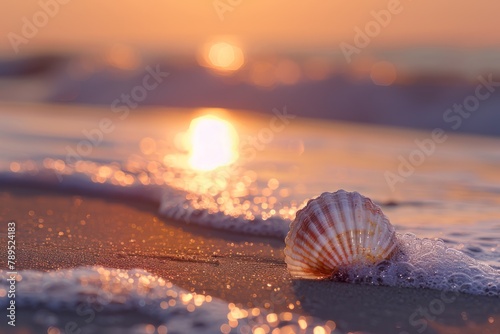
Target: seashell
(337, 230)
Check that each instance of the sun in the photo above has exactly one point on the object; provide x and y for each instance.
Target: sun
(223, 56)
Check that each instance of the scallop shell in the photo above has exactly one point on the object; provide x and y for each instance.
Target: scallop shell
(337, 230)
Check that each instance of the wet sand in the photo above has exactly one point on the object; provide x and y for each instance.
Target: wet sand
(66, 230)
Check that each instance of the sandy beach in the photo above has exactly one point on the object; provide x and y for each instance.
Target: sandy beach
(67, 230)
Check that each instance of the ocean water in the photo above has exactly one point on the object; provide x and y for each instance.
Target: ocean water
(442, 195)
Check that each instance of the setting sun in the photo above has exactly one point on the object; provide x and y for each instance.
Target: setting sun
(223, 56)
(213, 143)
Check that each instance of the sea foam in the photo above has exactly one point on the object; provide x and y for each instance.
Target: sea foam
(426, 263)
(91, 291)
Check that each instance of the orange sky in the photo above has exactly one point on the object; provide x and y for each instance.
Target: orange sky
(260, 24)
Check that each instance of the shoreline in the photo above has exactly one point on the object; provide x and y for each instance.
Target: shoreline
(65, 230)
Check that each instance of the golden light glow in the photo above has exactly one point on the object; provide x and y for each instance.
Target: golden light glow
(213, 143)
(223, 56)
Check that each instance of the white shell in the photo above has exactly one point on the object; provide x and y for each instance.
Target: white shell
(337, 230)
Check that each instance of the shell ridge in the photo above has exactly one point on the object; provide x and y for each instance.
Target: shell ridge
(312, 247)
(337, 230)
(330, 232)
(345, 222)
(360, 232)
(323, 215)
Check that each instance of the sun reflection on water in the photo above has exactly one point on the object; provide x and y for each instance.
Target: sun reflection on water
(199, 171)
(213, 143)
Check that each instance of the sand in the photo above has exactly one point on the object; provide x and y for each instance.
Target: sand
(65, 230)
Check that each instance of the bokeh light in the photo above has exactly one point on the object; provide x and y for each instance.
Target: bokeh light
(222, 56)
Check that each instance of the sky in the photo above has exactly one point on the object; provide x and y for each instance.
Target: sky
(184, 25)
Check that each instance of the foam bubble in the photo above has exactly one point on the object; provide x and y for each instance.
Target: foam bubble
(426, 263)
(184, 211)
